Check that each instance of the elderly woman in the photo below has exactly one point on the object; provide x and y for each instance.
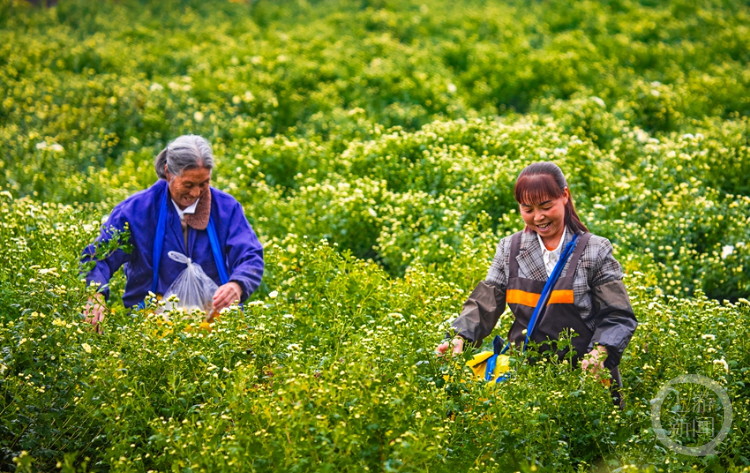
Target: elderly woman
(180, 213)
(589, 297)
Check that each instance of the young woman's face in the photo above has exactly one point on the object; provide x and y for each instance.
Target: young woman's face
(546, 218)
(187, 188)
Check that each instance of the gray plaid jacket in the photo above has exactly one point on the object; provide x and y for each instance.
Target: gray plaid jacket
(598, 293)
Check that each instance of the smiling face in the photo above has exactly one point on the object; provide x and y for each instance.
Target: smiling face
(547, 217)
(186, 189)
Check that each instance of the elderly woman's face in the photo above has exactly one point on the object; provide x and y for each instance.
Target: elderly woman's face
(187, 188)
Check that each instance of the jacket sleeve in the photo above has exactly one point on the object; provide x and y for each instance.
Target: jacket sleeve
(108, 265)
(244, 253)
(486, 303)
(615, 321)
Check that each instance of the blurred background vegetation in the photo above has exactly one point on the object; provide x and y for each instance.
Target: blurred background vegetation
(294, 94)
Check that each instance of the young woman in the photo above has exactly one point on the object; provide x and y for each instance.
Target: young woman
(589, 297)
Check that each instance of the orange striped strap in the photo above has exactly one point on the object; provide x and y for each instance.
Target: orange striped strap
(531, 299)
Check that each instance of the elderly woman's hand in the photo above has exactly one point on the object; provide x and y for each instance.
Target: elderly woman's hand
(227, 295)
(94, 312)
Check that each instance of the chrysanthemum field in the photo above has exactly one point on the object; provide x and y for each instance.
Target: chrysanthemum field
(374, 145)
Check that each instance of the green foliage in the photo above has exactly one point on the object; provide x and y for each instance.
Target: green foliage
(374, 146)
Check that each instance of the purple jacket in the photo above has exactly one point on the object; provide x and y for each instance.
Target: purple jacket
(241, 248)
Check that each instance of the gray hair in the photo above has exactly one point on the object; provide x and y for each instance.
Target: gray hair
(185, 152)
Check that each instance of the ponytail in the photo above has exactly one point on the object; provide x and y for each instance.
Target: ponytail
(571, 217)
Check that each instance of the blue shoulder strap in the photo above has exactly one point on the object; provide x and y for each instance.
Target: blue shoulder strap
(218, 254)
(216, 249)
(159, 241)
(158, 245)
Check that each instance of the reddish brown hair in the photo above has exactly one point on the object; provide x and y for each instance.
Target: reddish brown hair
(543, 181)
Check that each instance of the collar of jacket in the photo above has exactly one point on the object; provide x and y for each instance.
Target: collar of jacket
(199, 219)
(530, 253)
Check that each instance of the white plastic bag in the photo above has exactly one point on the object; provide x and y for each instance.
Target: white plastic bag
(192, 287)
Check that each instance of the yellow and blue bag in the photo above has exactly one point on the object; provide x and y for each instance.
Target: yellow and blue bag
(492, 365)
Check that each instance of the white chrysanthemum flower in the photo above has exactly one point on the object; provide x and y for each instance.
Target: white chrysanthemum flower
(726, 250)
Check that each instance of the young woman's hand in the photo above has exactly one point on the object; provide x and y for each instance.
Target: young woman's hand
(458, 346)
(593, 361)
(94, 312)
